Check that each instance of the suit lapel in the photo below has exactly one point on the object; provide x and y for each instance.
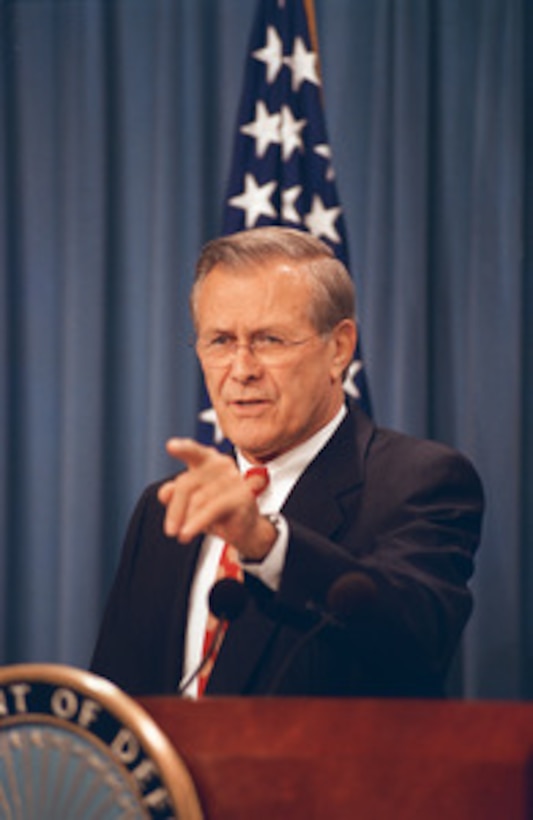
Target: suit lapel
(317, 499)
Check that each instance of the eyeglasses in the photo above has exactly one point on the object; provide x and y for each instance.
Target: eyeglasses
(271, 350)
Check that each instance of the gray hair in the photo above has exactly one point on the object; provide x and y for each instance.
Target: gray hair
(333, 290)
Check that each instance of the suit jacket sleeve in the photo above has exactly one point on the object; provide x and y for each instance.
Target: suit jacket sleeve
(140, 642)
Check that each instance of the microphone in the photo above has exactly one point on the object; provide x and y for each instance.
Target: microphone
(350, 597)
(227, 600)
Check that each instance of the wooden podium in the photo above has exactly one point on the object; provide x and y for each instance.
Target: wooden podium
(277, 758)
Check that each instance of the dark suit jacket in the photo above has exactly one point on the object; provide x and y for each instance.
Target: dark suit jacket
(402, 513)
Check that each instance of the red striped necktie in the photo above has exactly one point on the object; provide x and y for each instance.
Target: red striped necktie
(228, 567)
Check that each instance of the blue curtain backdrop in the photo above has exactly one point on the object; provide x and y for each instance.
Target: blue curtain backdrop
(116, 126)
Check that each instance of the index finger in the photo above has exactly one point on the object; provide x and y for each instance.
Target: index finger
(189, 451)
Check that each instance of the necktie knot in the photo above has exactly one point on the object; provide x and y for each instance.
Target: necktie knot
(259, 478)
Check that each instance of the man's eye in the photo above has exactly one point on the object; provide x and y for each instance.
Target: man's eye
(219, 342)
(268, 341)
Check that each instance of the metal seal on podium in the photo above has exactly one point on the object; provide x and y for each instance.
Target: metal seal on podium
(74, 746)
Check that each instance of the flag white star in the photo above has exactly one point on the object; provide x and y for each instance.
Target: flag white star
(288, 198)
(271, 54)
(254, 200)
(265, 129)
(349, 385)
(209, 416)
(321, 220)
(303, 65)
(291, 133)
(324, 151)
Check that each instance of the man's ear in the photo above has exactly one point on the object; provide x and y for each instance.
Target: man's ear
(344, 338)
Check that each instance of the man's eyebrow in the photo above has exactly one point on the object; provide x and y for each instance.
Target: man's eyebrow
(268, 328)
(210, 331)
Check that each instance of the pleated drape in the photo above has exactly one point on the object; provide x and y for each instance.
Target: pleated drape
(116, 125)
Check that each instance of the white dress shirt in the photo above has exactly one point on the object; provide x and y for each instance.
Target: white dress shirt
(283, 472)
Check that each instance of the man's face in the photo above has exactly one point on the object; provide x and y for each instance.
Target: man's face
(270, 398)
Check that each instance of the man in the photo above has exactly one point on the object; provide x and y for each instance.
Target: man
(355, 549)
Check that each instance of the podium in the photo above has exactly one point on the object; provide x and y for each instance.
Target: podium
(253, 759)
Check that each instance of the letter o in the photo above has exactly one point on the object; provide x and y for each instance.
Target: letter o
(64, 703)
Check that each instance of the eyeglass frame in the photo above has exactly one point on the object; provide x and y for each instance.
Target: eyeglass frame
(279, 347)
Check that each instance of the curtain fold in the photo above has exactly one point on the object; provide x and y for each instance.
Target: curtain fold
(116, 126)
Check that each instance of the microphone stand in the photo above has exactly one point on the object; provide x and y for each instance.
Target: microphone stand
(213, 646)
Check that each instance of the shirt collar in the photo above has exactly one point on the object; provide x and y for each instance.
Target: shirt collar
(288, 467)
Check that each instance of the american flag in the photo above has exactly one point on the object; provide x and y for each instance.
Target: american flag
(282, 172)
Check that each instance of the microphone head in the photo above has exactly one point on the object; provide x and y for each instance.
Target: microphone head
(227, 599)
(352, 595)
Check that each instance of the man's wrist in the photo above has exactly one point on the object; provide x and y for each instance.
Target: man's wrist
(270, 529)
(269, 569)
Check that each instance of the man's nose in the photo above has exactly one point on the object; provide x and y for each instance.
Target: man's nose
(245, 364)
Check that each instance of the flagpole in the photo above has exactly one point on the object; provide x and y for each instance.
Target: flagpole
(310, 13)
(309, 6)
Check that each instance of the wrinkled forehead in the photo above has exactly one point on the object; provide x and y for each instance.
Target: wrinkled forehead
(257, 296)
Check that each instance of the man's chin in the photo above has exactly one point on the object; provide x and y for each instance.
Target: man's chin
(238, 425)
(254, 447)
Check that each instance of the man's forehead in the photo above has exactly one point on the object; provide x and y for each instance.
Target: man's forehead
(253, 305)
(275, 284)
(282, 266)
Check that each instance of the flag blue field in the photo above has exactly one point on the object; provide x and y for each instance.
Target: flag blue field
(282, 171)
